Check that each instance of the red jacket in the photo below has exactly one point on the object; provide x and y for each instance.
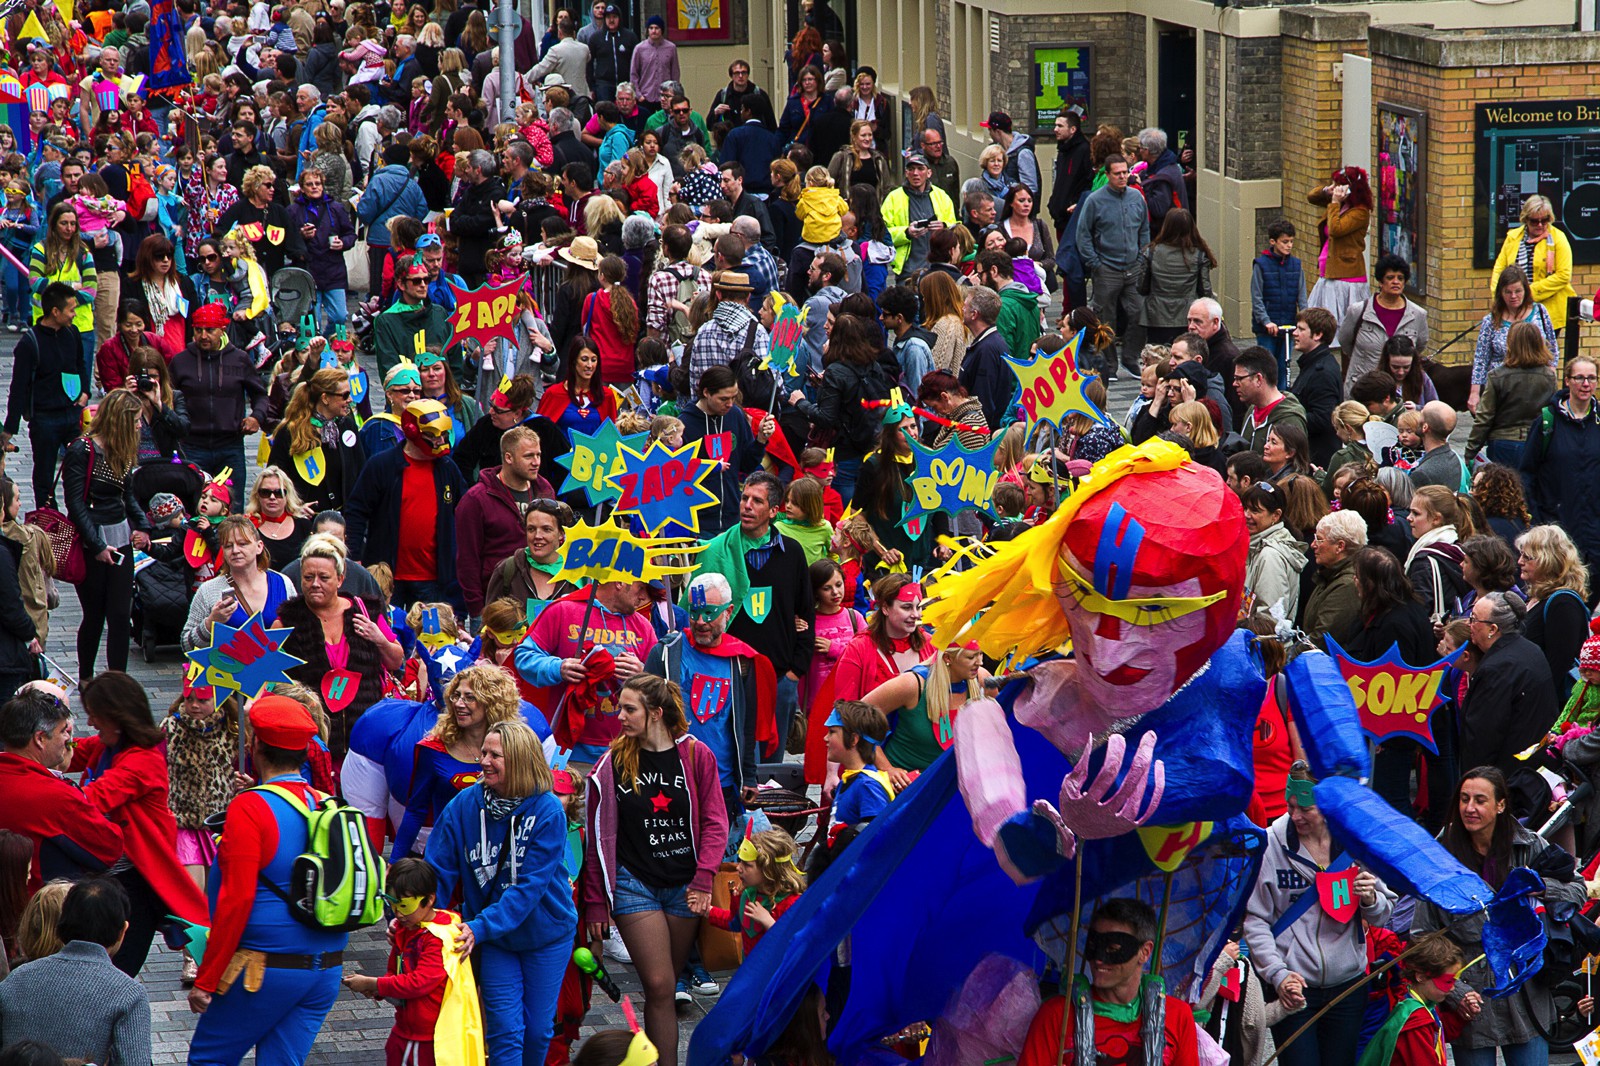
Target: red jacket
(131, 790)
(734, 921)
(861, 668)
(489, 530)
(71, 838)
(415, 976)
(111, 362)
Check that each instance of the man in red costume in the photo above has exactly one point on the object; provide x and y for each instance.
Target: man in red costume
(1120, 1016)
(71, 839)
(267, 981)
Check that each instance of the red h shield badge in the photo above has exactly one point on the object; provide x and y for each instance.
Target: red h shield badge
(1336, 892)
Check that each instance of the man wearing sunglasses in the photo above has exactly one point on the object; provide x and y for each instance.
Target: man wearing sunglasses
(1107, 1020)
(397, 328)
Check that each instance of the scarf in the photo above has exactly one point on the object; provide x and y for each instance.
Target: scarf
(499, 807)
(732, 317)
(1437, 535)
(162, 301)
(1151, 1003)
(725, 555)
(549, 569)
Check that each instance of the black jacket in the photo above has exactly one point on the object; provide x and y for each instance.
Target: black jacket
(92, 503)
(343, 462)
(306, 641)
(1558, 625)
(1558, 472)
(42, 357)
(1369, 637)
(1436, 577)
(221, 388)
(1510, 704)
(986, 375)
(566, 148)
(473, 223)
(786, 574)
(169, 426)
(321, 68)
(16, 628)
(372, 514)
(278, 244)
(1074, 173)
(757, 209)
(1319, 389)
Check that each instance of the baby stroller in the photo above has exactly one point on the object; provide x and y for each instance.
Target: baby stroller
(292, 295)
(163, 583)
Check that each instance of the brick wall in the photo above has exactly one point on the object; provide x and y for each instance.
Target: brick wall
(1213, 136)
(1255, 106)
(1117, 79)
(1313, 40)
(1447, 77)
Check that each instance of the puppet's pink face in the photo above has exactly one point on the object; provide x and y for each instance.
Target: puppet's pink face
(1129, 669)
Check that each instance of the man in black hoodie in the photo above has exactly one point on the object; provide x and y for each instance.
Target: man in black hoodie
(49, 385)
(224, 394)
(1318, 385)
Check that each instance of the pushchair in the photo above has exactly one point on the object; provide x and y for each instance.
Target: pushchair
(163, 584)
(292, 294)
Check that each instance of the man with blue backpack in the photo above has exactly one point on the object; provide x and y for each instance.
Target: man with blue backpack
(272, 963)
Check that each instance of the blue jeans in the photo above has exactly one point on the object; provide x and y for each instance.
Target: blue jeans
(519, 990)
(19, 296)
(213, 459)
(280, 1020)
(331, 308)
(1534, 1053)
(845, 472)
(1275, 346)
(49, 432)
(787, 703)
(1508, 452)
(633, 896)
(409, 592)
(1332, 1040)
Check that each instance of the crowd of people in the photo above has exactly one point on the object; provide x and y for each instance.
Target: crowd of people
(590, 754)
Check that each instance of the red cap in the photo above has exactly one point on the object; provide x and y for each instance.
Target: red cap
(211, 316)
(282, 723)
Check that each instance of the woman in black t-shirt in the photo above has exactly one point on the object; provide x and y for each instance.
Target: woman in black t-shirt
(657, 830)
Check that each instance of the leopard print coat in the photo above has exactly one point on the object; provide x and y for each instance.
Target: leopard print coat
(200, 762)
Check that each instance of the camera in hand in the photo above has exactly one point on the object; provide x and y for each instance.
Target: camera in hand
(146, 382)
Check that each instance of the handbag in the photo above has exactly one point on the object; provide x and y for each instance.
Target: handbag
(66, 543)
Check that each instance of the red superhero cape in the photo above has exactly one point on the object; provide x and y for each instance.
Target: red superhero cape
(766, 687)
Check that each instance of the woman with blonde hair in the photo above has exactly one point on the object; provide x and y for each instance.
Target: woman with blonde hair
(110, 524)
(244, 585)
(941, 312)
(1193, 420)
(925, 115)
(859, 162)
(501, 843)
(475, 700)
(278, 512)
(655, 773)
(1349, 420)
(602, 220)
(316, 443)
(1557, 581)
(990, 179)
(1544, 253)
(36, 930)
(921, 705)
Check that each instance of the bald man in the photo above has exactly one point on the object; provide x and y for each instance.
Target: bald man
(1440, 465)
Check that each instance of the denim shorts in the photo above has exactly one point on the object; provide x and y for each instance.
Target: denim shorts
(633, 896)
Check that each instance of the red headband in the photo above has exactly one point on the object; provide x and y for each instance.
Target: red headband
(909, 592)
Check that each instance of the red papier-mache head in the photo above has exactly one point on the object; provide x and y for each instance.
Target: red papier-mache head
(1152, 573)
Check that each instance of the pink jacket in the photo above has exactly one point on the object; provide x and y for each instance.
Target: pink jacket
(708, 828)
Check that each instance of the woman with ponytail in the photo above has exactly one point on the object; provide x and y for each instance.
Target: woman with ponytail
(611, 322)
(657, 831)
(316, 443)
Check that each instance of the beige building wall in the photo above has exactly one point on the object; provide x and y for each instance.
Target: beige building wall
(974, 52)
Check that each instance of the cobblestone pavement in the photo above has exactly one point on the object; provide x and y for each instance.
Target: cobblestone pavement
(356, 1029)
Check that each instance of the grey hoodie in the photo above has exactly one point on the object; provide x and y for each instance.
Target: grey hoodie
(1316, 947)
(1022, 165)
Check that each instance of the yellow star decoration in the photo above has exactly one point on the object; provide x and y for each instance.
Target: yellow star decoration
(1052, 388)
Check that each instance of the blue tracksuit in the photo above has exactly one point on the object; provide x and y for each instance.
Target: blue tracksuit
(515, 897)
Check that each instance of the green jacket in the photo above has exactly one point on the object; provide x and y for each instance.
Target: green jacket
(1019, 319)
(1333, 603)
(897, 216)
(1354, 452)
(394, 337)
(1287, 410)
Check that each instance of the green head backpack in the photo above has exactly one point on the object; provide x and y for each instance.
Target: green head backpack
(336, 883)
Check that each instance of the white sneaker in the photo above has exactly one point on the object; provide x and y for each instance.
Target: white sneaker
(615, 949)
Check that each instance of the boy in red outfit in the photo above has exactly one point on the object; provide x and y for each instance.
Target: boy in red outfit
(1420, 1026)
(1112, 1004)
(415, 975)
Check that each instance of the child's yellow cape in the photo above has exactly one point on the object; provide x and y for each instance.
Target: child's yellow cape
(458, 1034)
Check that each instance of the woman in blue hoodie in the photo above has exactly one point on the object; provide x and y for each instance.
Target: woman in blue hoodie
(500, 848)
